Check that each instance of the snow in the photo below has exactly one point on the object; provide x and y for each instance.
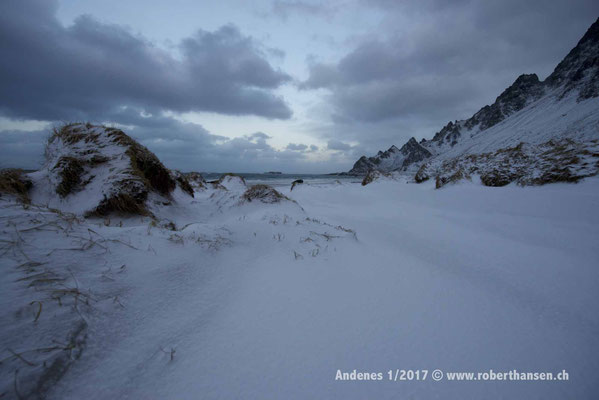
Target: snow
(270, 300)
(547, 118)
(537, 123)
(101, 178)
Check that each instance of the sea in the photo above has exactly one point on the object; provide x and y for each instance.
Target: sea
(282, 180)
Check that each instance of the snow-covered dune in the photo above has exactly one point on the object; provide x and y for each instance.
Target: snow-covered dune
(239, 299)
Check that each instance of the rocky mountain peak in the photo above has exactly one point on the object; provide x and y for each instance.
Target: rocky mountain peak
(579, 71)
(410, 142)
(392, 159)
(580, 68)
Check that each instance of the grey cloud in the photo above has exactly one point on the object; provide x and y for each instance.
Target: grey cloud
(334, 144)
(258, 135)
(180, 145)
(297, 147)
(91, 69)
(313, 148)
(443, 63)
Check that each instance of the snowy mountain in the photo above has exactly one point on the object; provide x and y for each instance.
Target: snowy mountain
(563, 106)
(392, 159)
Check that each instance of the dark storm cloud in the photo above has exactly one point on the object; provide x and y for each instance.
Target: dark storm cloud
(180, 145)
(444, 60)
(90, 69)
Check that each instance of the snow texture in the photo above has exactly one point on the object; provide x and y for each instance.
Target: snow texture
(228, 299)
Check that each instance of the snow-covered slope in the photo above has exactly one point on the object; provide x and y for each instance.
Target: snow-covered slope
(253, 300)
(564, 106)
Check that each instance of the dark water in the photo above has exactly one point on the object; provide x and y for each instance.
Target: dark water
(286, 179)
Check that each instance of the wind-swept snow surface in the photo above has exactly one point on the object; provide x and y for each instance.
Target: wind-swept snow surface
(254, 300)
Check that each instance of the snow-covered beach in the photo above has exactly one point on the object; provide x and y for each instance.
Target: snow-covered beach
(299, 200)
(243, 300)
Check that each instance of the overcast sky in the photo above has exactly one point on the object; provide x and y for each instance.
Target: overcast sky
(288, 85)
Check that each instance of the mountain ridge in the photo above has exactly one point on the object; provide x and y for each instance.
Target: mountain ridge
(576, 75)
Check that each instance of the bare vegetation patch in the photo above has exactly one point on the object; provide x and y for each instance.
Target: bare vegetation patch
(183, 182)
(229, 174)
(422, 174)
(264, 194)
(456, 176)
(129, 171)
(554, 161)
(144, 163)
(71, 169)
(372, 176)
(195, 179)
(15, 182)
(498, 177)
(122, 203)
(72, 133)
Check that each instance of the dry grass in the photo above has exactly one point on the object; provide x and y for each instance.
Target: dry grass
(144, 163)
(195, 178)
(458, 175)
(556, 174)
(498, 178)
(183, 183)
(14, 182)
(71, 170)
(263, 193)
(223, 176)
(146, 170)
(372, 176)
(422, 174)
(123, 203)
(73, 132)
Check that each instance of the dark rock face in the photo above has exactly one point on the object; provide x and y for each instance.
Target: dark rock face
(413, 152)
(450, 133)
(580, 68)
(362, 166)
(526, 89)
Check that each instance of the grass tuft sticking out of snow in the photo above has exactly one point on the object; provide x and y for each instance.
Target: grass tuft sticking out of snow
(264, 194)
(15, 182)
(554, 161)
